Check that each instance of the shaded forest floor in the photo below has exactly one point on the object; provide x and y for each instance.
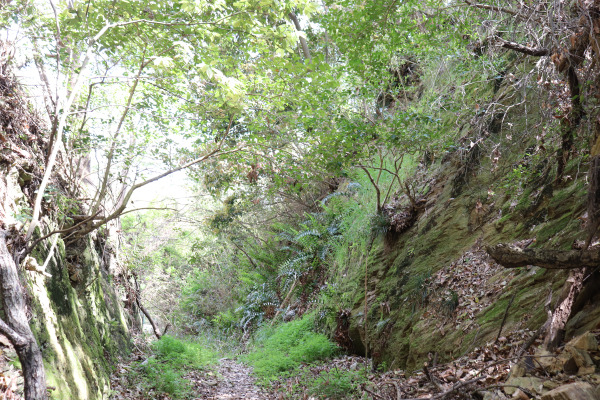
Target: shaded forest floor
(514, 366)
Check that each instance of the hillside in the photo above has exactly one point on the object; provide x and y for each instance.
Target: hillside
(388, 199)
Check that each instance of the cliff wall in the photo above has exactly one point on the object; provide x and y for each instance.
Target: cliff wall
(76, 313)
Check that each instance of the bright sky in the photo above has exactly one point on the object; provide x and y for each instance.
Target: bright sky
(172, 188)
(168, 189)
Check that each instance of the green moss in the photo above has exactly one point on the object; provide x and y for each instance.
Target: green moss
(504, 218)
(550, 229)
(494, 312)
(73, 328)
(525, 201)
(560, 197)
(500, 223)
(466, 342)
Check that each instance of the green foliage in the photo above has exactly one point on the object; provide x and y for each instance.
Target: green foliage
(450, 302)
(333, 384)
(165, 379)
(324, 384)
(208, 297)
(305, 254)
(63, 205)
(164, 370)
(282, 348)
(179, 353)
(222, 218)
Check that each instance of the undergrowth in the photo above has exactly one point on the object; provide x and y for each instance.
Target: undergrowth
(281, 349)
(164, 371)
(330, 384)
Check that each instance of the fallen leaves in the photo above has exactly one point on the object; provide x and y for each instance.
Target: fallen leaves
(461, 290)
(11, 378)
(231, 380)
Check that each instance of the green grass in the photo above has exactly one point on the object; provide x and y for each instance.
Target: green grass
(164, 371)
(285, 347)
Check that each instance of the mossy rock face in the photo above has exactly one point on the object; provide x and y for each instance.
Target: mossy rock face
(80, 329)
(488, 209)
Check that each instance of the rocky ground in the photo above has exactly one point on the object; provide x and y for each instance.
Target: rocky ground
(502, 370)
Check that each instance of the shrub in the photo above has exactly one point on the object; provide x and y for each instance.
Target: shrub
(164, 378)
(182, 354)
(283, 348)
(333, 384)
(315, 382)
(164, 370)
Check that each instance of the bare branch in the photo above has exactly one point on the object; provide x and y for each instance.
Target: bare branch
(119, 210)
(377, 190)
(14, 338)
(66, 230)
(59, 132)
(109, 158)
(151, 22)
(492, 8)
(149, 208)
(531, 51)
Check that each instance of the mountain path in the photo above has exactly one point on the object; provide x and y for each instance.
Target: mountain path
(231, 380)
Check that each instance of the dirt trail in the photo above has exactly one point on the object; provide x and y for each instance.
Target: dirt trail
(230, 381)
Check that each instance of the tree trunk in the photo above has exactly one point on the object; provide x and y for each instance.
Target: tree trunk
(562, 311)
(511, 256)
(16, 328)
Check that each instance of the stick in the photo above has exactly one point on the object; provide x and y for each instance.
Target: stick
(504, 318)
(398, 391)
(431, 378)
(50, 253)
(285, 301)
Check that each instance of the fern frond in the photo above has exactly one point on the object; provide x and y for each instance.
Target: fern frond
(351, 190)
(286, 236)
(311, 232)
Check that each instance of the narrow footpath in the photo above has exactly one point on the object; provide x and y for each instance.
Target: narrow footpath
(231, 380)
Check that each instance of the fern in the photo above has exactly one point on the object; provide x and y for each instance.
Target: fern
(351, 190)
(312, 232)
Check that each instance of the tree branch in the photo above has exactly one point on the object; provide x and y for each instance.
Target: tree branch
(119, 211)
(531, 51)
(377, 190)
(59, 132)
(492, 8)
(302, 39)
(66, 230)
(149, 208)
(240, 248)
(109, 158)
(13, 337)
(147, 314)
(511, 256)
